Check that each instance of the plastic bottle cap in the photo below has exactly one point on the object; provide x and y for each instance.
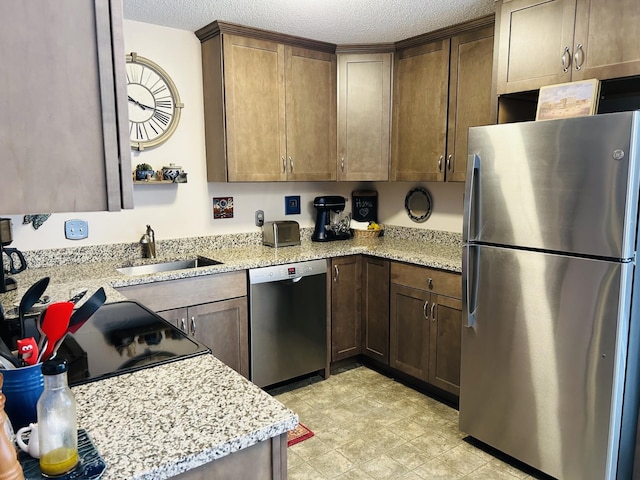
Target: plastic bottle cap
(54, 366)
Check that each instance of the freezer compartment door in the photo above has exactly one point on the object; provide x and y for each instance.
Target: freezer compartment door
(542, 364)
(561, 185)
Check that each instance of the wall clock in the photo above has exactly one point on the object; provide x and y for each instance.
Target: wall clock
(154, 103)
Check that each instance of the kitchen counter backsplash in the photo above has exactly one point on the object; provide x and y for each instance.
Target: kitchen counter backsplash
(187, 246)
(106, 253)
(91, 267)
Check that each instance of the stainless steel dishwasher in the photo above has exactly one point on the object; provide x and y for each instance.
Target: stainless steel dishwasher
(288, 321)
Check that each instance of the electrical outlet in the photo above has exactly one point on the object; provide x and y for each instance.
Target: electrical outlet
(76, 229)
(259, 218)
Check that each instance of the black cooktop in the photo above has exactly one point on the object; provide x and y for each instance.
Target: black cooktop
(122, 337)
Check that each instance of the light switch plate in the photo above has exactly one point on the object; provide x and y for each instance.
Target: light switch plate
(76, 229)
(292, 205)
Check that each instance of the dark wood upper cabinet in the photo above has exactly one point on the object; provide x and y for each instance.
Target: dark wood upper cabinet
(442, 86)
(546, 42)
(470, 87)
(421, 82)
(364, 116)
(64, 138)
(269, 105)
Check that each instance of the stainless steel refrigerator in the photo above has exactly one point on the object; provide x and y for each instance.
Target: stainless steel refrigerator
(549, 370)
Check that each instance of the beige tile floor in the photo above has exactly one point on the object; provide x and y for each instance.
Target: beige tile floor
(369, 427)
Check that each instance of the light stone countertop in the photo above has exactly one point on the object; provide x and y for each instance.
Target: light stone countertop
(161, 421)
(95, 267)
(150, 424)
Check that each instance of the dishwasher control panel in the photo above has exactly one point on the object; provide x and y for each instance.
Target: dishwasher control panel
(289, 271)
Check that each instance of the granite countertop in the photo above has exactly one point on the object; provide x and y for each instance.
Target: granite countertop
(100, 270)
(151, 424)
(147, 424)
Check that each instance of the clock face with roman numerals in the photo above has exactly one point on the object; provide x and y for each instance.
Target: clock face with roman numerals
(154, 103)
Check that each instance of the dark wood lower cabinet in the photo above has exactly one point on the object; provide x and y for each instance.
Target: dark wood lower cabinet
(410, 331)
(375, 309)
(426, 325)
(212, 308)
(425, 336)
(405, 316)
(221, 326)
(266, 460)
(345, 307)
(444, 347)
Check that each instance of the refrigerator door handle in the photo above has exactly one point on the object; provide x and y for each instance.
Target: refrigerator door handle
(473, 166)
(469, 285)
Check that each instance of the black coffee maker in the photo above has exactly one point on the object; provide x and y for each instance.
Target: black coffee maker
(15, 256)
(326, 229)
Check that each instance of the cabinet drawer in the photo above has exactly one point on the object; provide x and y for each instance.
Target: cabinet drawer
(427, 279)
(188, 291)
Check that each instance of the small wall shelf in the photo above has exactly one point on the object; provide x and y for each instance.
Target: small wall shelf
(153, 182)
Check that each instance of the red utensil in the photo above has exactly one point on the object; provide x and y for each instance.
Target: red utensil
(54, 325)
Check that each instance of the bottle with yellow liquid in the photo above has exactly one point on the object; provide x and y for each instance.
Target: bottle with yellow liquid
(57, 423)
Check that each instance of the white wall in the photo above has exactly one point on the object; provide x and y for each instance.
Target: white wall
(185, 210)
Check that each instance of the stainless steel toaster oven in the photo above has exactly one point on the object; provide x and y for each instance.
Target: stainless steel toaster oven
(282, 233)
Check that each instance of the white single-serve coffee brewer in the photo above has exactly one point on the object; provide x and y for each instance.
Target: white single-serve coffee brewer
(329, 225)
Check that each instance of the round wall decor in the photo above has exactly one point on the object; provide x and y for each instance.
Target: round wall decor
(418, 204)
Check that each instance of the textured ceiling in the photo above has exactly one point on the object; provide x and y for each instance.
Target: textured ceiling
(335, 21)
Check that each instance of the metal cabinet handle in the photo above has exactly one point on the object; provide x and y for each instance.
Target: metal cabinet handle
(440, 163)
(433, 317)
(424, 310)
(337, 272)
(183, 324)
(284, 165)
(430, 283)
(449, 158)
(193, 325)
(578, 57)
(342, 164)
(566, 60)
(290, 165)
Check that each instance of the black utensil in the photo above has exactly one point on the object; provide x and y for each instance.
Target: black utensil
(31, 296)
(81, 315)
(78, 296)
(7, 355)
(88, 308)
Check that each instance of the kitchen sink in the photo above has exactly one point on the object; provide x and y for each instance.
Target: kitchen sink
(168, 266)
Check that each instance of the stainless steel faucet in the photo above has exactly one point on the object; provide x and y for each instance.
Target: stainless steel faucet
(148, 242)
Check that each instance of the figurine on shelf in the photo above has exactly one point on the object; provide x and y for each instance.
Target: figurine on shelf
(144, 171)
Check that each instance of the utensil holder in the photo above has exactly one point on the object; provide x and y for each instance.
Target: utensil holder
(22, 387)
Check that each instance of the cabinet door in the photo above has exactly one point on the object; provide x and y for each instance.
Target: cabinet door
(410, 330)
(310, 114)
(421, 85)
(444, 349)
(177, 317)
(470, 78)
(63, 112)
(223, 327)
(606, 39)
(375, 308)
(534, 36)
(364, 116)
(345, 308)
(255, 109)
